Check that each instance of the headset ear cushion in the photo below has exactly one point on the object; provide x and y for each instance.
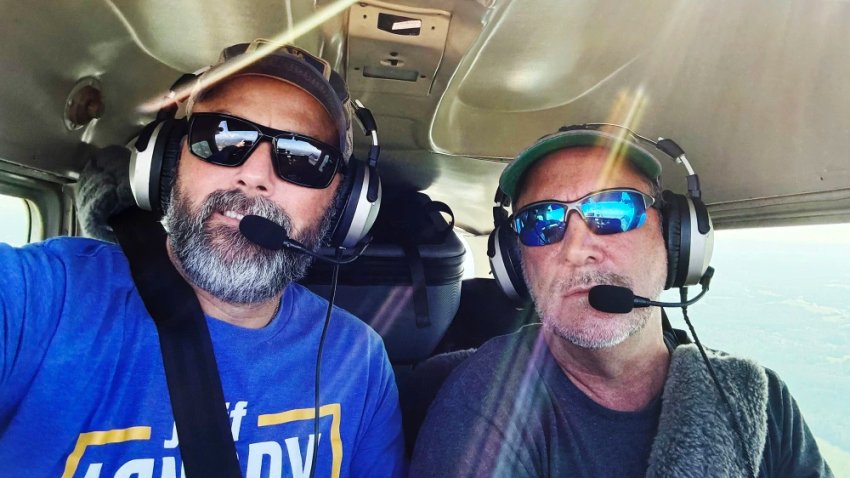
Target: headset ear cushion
(353, 218)
(506, 263)
(171, 147)
(673, 214)
(341, 200)
(512, 251)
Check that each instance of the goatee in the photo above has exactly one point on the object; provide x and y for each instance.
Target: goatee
(220, 260)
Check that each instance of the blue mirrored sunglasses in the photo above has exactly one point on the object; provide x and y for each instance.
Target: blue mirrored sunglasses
(610, 211)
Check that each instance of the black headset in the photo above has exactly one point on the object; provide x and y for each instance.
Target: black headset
(686, 224)
(156, 151)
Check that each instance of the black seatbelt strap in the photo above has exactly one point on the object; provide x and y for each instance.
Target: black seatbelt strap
(197, 400)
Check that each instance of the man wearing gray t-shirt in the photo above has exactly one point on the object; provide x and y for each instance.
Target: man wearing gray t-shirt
(603, 386)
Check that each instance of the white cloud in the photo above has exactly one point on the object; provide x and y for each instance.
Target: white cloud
(834, 314)
(838, 286)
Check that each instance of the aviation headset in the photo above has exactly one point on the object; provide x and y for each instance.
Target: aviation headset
(686, 225)
(156, 151)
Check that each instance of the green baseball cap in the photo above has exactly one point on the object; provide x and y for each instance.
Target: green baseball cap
(574, 137)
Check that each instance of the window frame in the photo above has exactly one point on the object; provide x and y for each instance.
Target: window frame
(49, 201)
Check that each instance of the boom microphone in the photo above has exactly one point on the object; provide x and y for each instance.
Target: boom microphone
(611, 299)
(271, 235)
(621, 300)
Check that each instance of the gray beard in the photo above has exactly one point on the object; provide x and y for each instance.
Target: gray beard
(603, 334)
(221, 261)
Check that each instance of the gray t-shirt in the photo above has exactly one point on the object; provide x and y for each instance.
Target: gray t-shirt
(509, 411)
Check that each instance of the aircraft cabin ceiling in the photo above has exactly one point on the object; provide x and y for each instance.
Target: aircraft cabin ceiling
(755, 91)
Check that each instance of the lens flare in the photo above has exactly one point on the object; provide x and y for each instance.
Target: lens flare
(627, 111)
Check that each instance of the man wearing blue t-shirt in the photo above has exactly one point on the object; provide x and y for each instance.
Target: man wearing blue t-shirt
(602, 388)
(83, 385)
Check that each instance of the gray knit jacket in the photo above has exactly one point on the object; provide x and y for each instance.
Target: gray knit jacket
(696, 436)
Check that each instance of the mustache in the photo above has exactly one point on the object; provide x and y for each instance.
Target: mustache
(590, 279)
(236, 201)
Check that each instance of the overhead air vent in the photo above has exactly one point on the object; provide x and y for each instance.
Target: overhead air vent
(83, 104)
(395, 49)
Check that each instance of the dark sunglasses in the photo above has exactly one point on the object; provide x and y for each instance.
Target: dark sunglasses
(610, 211)
(228, 140)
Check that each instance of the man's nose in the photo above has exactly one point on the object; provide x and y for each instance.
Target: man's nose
(580, 245)
(256, 175)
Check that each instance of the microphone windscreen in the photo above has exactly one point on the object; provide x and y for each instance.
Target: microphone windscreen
(263, 232)
(611, 299)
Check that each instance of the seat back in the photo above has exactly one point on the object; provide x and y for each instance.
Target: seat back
(407, 283)
(418, 389)
(484, 312)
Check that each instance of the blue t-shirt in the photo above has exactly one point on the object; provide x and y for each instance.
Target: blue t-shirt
(83, 390)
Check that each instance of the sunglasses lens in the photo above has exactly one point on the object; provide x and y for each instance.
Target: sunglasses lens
(541, 225)
(605, 212)
(304, 161)
(220, 140)
(610, 212)
(228, 141)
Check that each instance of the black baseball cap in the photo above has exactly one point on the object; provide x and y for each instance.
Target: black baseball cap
(297, 67)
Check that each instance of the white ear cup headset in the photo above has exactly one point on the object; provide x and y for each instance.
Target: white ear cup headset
(503, 250)
(156, 151)
(686, 224)
(362, 189)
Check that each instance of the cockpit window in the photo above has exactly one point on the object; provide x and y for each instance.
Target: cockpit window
(779, 296)
(15, 220)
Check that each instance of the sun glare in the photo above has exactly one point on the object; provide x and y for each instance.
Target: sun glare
(627, 111)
